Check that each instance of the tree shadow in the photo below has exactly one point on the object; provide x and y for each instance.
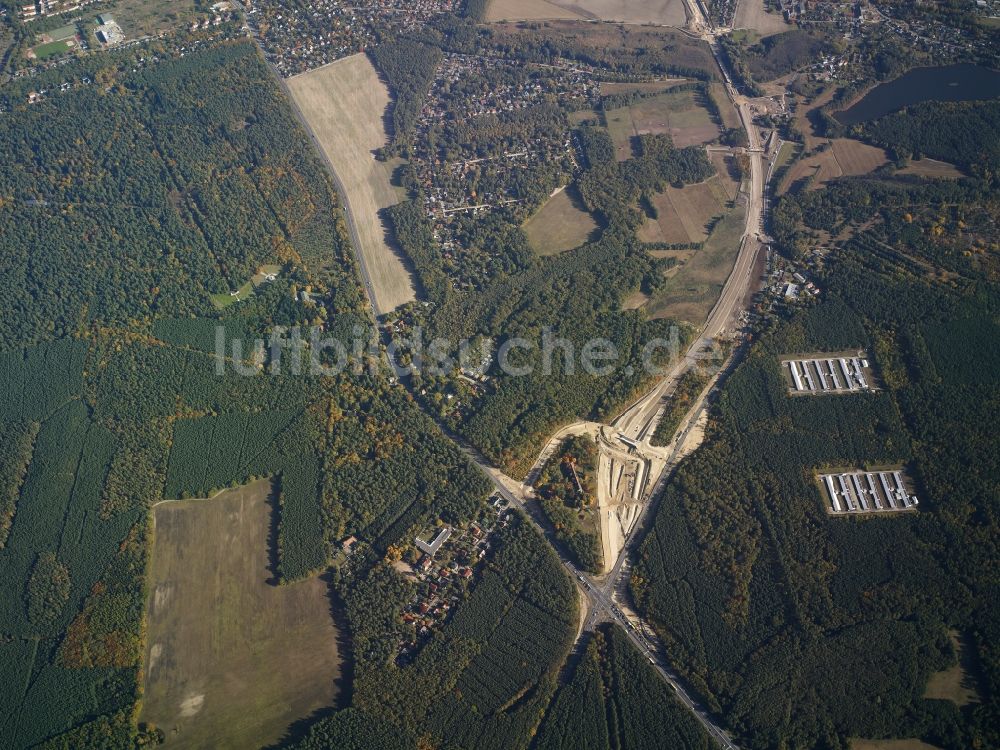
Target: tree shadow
(344, 683)
(274, 520)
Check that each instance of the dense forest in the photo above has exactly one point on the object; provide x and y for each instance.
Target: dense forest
(567, 491)
(408, 67)
(803, 629)
(614, 699)
(189, 205)
(137, 206)
(619, 49)
(484, 679)
(570, 296)
(963, 133)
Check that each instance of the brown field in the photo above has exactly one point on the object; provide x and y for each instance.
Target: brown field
(855, 157)
(635, 300)
(729, 177)
(526, 10)
(141, 17)
(730, 117)
(683, 214)
(911, 744)
(658, 12)
(613, 43)
(219, 631)
(561, 224)
(344, 104)
(955, 683)
(643, 87)
(932, 168)
(845, 157)
(802, 122)
(750, 14)
(677, 114)
(690, 294)
(583, 115)
(667, 227)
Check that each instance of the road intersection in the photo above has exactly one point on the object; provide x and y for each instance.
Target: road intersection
(628, 437)
(605, 595)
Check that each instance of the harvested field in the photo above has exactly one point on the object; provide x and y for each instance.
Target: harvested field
(677, 113)
(955, 683)
(344, 105)
(667, 226)
(727, 172)
(855, 157)
(730, 117)
(526, 10)
(635, 300)
(219, 629)
(939, 170)
(913, 744)
(561, 224)
(658, 12)
(683, 214)
(844, 158)
(642, 87)
(750, 14)
(690, 294)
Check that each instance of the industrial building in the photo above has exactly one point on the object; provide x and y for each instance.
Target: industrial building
(829, 373)
(867, 492)
(430, 548)
(108, 32)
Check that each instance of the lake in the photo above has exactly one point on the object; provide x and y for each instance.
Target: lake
(951, 83)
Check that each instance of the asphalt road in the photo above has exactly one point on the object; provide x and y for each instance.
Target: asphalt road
(637, 420)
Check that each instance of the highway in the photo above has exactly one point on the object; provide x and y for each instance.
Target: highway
(639, 420)
(601, 605)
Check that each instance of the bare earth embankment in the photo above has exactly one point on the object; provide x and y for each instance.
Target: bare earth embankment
(344, 105)
(220, 631)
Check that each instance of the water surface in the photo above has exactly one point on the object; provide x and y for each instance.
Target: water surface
(950, 83)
